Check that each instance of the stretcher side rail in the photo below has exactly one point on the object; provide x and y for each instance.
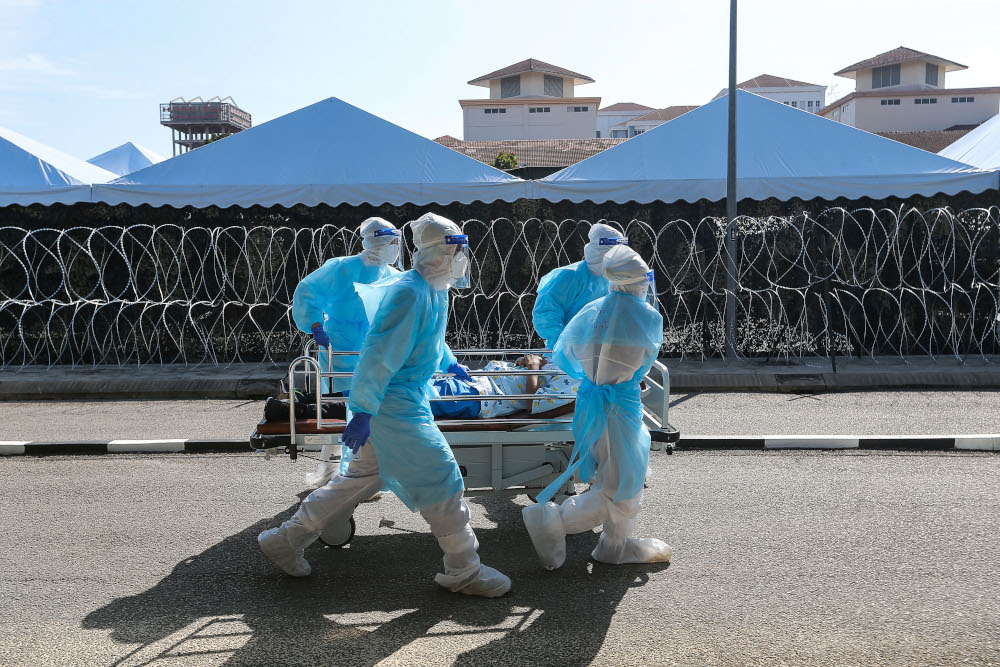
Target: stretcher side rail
(519, 459)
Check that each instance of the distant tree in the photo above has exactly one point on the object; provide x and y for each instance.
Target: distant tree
(216, 137)
(505, 161)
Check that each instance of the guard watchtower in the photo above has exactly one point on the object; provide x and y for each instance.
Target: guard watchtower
(193, 122)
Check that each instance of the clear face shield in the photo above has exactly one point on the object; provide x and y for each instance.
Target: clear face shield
(386, 247)
(651, 293)
(461, 263)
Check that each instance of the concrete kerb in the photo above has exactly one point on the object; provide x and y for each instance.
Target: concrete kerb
(178, 446)
(979, 443)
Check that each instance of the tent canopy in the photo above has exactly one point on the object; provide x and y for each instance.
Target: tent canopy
(980, 148)
(329, 152)
(126, 158)
(33, 173)
(782, 152)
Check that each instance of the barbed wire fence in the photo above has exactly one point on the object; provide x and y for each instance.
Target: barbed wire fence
(863, 283)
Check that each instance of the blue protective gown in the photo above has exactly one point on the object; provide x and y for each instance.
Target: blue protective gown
(329, 291)
(562, 292)
(404, 348)
(620, 335)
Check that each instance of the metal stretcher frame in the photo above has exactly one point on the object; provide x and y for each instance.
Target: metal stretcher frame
(521, 460)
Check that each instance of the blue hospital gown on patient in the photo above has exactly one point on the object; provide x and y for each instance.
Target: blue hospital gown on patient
(404, 348)
(562, 292)
(329, 291)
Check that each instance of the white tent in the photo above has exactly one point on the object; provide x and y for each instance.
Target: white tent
(33, 173)
(980, 148)
(781, 152)
(126, 158)
(329, 152)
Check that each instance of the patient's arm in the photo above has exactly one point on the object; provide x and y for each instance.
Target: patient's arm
(532, 362)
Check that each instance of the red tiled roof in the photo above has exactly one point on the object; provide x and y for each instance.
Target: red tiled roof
(934, 141)
(532, 152)
(900, 54)
(771, 81)
(531, 65)
(626, 106)
(665, 114)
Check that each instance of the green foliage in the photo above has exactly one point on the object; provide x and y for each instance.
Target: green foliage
(216, 137)
(505, 161)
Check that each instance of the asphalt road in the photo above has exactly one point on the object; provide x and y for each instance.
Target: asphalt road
(858, 413)
(780, 557)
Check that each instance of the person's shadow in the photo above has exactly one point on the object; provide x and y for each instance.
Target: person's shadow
(372, 600)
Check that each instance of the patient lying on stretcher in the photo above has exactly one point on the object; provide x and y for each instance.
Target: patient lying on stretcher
(539, 385)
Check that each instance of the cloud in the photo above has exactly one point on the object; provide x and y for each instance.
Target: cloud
(32, 63)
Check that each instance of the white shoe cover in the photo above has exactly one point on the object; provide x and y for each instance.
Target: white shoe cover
(545, 527)
(276, 546)
(464, 573)
(645, 550)
(324, 473)
(481, 580)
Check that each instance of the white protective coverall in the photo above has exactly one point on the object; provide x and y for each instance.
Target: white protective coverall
(407, 335)
(613, 342)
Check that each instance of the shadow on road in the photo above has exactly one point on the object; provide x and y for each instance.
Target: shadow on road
(372, 600)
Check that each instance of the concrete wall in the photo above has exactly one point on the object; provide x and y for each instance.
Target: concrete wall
(911, 117)
(911, 75)
(532, 85)
(519, 123)
(843, 113)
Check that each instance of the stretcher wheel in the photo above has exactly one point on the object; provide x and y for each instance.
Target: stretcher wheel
(338, 534)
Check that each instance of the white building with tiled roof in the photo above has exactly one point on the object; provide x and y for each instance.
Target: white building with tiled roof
(530, 100)
(904, 90)
(809, 97)
(647, 121)
(608, 117)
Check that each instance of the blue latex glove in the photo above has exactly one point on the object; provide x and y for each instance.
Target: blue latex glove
(357, 431)
(319, 335)
(460, 371)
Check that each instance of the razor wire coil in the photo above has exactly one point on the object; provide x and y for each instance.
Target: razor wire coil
(864, 282)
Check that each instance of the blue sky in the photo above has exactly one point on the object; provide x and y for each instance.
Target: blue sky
(87, 75)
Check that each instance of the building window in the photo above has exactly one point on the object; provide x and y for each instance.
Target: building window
(553, 86)
(598, 134)
(810, 104)
(510, 86)
(619, 134)
(931, 77)
(962, 100)
(577, 109)
(885, 76)
(639, 131)
(925, 100)
(794, 104)
(494, 111)
(890, 103)
(844, 108)
(539, 109)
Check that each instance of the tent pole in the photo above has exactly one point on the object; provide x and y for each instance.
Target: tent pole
(731, 247)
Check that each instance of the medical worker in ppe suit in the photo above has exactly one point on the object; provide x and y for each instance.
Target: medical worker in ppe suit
(406, 453)
(562, 292)
(610, 345)
(326, 305)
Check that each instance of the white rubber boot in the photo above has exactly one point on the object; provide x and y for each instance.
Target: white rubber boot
(545, 527)
(464, 573)
(285, 546)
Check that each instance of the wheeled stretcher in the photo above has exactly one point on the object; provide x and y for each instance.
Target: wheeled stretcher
(513, 455)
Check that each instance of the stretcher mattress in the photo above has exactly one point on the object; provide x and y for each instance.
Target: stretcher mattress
(308, 426)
